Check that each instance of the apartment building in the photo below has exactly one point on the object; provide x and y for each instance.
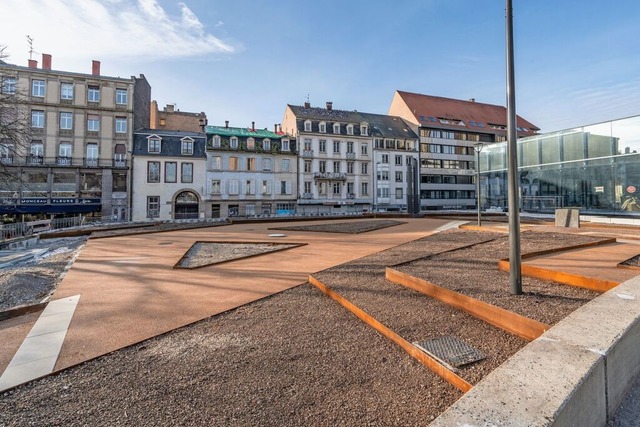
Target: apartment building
(76, 159)
(171, 118)
(340, 169)
(451, 131)
(168, 170)
(250, 172)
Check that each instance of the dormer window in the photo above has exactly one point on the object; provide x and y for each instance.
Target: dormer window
(349, 129)
(251, 144)
(233, 142)
(285, 145)
(307, 126)
(323, 127)
(216, 141)
(187, 146)
(364, 130)
(266, 144)
(336, 128)
(154, 144)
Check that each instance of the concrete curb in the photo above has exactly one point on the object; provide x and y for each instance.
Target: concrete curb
(576, 373)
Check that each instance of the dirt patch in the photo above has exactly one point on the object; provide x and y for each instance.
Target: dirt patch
(201, 254)
(353, 227)
(632, 262)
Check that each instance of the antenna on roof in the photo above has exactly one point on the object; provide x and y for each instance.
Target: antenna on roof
(30, 41)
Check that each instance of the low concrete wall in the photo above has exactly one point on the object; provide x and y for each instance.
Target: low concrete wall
(575, 374)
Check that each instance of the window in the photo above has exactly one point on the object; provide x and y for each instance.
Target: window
(266, 187)
(64, 154)
(233, 142)
(350, 167)
(285, 145)
(399, 176)
(249, 187)
(307, 187)
(336, 147)
(336, 188)
(93, 94)
(154, 145)
(251, 164)
(121, 125)
(322, 188)
(37, 119)
(307, 126)
(266, 144)
(215, 141)
(336, 128)
(266, 165)
(91, 158)
(364, 130)
(153, 171)
(120, 155)
(285, 165)
(37, 88)
(365, 168)
(383, 175)
(285, 187)
(307, 144)
(349, 129)
(153, 206)
(364, 188)
(121, 96)
(234, 187)
(215, 186)
(251, 144)
(385, 158)
(307, 166)
(93, 123)
(36, 149)
(6, 153)
(398, 160)
(66, 121)
(350, 188)
(216, 163)
(322, 146)
(9, 85)
(322, 166)
(66, 91)
(187, 146)
(233, 163)
(186, 172)
(349, 147)
(322, 127)
(336, 167)
(171, 172)
(383, 192)
(364, 149)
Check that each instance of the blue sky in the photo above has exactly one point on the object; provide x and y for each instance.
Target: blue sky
(577, 61)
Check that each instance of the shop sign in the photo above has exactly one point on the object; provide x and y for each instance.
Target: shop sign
(34, 201)
(90, 201)
(631, 189)
(63, 200)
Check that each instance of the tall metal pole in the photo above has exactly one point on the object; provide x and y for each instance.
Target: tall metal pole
(515, 270)
(478, 148)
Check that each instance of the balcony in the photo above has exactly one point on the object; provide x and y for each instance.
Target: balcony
(91, 162)
(351, 156)
(6, 160)
(307, 153)
(64, 161)
(351, 196)
(333, 176)
(307, 195)
(119, 163)
(35, 160)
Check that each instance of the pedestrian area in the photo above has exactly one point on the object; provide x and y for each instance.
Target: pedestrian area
(123, 290)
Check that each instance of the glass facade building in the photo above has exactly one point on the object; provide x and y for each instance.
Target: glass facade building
(594, 168)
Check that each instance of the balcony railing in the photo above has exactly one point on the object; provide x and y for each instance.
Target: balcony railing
(351, 196)
(91, 162)
(335, 176)
(119, 163)
(351, 155)
(35, 160)
(307, 195)
(307, 153)
(64, 161)
(6, 160)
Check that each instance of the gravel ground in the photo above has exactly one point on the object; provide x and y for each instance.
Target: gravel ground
(633, 262)
(298, 358)
(350, 227)
(207, 253)
(35, 280)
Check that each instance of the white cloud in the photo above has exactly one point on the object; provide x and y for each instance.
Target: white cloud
(105, 29)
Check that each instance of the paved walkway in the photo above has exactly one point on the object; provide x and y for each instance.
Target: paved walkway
(129, 290)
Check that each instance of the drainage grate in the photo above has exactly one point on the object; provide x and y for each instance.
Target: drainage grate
(450, 351)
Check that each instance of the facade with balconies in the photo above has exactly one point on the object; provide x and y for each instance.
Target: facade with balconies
(75, 155)
(335, 173)
(250, 172)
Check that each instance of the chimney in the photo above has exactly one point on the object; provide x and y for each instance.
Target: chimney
(33, 63)
(253, 126)
(275, 128)
(46, 61)
(95, 67)
(472, 100)
(307, 104)
(226, 123)
(170, 108)
(329, 106)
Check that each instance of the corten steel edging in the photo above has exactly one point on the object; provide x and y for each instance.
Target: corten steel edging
(629, 267)
(506, 320)
(593, 284)
(439, 369)
(567, 248)
(488, 228)
(22, 310)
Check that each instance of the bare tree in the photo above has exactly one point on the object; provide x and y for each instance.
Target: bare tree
(15, 129)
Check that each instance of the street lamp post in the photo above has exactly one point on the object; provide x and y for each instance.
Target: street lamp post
(477, 147)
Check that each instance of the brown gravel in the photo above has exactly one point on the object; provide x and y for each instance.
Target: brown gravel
(298, 358)
(208, 253)
(633, 262)
(350, 227)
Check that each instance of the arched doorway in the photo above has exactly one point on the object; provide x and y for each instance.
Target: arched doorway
(186, 206)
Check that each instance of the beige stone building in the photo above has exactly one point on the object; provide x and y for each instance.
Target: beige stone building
(171, 118)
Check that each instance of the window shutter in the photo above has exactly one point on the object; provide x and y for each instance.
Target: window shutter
(269, 187)
(288, 187)
(252, 187)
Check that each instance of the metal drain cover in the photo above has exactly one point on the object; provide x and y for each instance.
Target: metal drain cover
(450, 351)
